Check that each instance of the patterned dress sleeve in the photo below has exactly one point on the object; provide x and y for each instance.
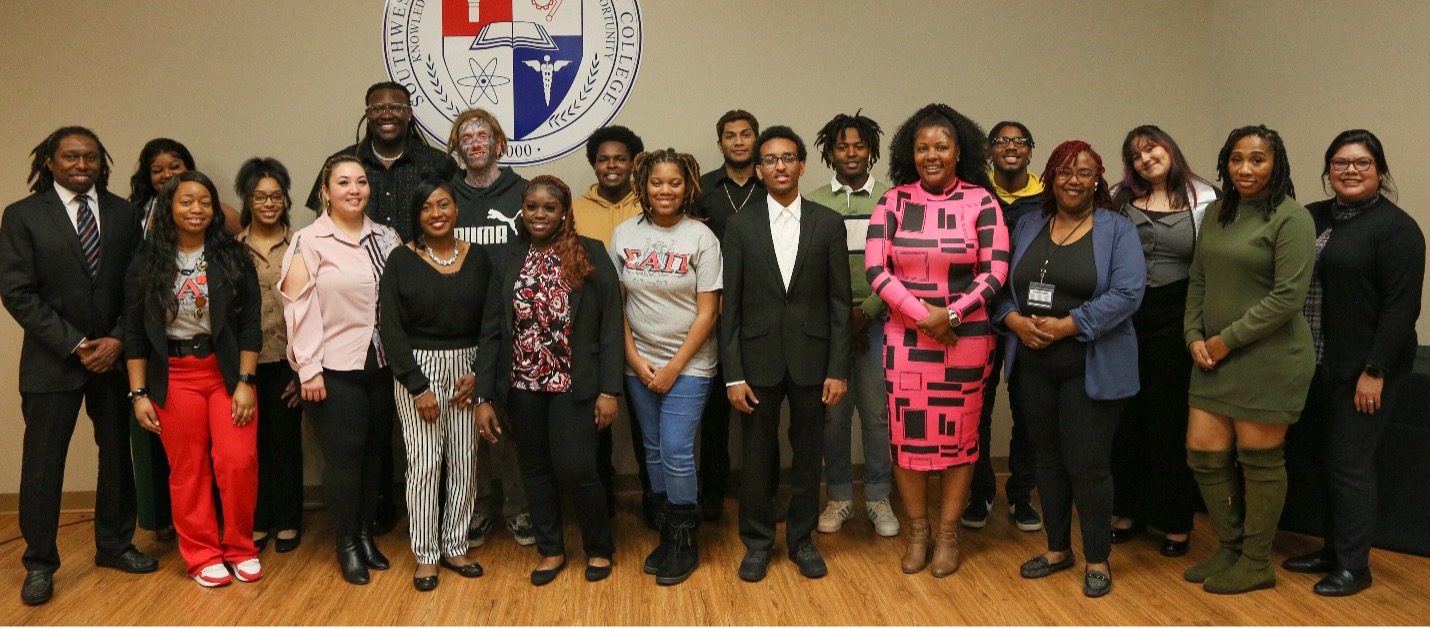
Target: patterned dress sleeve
(993, 256)
(879, 260)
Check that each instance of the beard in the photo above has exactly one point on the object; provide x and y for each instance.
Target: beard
(741, 164)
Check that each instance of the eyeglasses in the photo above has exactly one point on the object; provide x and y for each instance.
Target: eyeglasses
(787, 158)
(1067, 174)
(388, 108)
(277, 198)
(1341, 165)
(1020, 142)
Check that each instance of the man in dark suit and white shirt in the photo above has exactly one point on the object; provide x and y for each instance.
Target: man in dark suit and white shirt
(783, 335)
(64, 251)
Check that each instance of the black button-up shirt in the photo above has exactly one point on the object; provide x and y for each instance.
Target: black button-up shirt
(720, 198)
(392, 187)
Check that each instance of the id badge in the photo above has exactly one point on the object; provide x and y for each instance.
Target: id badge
(1040, 295)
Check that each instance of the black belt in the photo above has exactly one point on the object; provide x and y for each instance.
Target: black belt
(201, 346)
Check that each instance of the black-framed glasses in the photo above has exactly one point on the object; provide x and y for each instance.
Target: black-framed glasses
(1065, 173)
(787, 158)
(1019, 142)
(388, 108)
(277, 198)
(1342, 165)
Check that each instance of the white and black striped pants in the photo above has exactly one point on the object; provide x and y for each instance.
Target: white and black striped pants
(451, 442)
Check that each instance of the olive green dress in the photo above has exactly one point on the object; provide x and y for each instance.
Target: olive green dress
(1248, 284)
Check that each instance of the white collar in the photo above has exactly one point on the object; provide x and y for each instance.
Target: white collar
(775, 207)
(68, 196)
(839, 187)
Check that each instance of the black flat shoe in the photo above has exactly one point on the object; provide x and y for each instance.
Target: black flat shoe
(1343, 582)
(542, 577)
(39, 587)
(287, 545)
(1096, 584)
(470, 571)
(425, 584)
(131, 561)
(1039, 567)
(1171, 548)
(1311, 563)
(1122, 536)
(261, 544)
(596, 573)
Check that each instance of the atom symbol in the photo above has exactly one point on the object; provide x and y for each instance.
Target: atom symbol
(482, 80)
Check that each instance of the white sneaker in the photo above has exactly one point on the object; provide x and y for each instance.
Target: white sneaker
(248, 571)
(886, 524)
(835, 514)
(213, 576)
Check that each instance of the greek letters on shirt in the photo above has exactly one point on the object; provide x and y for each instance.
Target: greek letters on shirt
(657, 261)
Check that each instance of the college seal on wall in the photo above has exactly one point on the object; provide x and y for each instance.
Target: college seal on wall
(552, 71)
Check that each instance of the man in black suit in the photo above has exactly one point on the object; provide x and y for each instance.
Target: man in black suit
(64, 251)
(783, 335)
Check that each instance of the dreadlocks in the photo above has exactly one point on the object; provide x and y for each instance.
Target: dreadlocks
(42, 179)
(689, 171)
(1065, 155)
(1278, 187)
(413, 133)
(828, 137)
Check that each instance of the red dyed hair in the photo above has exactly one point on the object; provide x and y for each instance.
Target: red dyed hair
(1065, 154)
(575, 264)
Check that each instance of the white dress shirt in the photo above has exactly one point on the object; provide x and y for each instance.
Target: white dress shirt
(784, 228)
(70, 199)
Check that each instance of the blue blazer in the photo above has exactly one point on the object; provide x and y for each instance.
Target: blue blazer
(1105, 321)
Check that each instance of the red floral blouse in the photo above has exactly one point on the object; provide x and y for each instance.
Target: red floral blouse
(541, 340)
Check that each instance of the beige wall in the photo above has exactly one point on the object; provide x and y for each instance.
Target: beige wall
(285, 78)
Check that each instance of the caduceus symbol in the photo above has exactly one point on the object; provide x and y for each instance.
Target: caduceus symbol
(547, 68)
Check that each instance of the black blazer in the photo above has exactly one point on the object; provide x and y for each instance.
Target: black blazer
(598, 354)
(1372, 271)
(766, 331)
(237, 325)
(46, 285)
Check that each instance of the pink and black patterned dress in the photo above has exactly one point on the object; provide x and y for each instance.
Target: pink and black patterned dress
(950, 249)
(541, 316)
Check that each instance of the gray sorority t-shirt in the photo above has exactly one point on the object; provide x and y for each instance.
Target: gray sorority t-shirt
(663, 269)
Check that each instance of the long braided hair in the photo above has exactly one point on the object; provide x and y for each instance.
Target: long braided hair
(575, 264)
(1278, 187)
(41, 179)
(413, 133)
(828, 137)
(1065, 155)
(689, 171)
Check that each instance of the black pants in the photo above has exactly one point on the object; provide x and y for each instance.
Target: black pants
(280, 452)
(49, 423)
(760, 463)
(556, 443)
(151, 477)
(1022, 463)
(353, 426)
(715, 439)
(1073, 437)
(1150, 478)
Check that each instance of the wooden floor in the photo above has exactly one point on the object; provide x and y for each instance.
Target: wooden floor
(864, 586)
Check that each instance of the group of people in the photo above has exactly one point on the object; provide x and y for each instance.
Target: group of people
(499, 322)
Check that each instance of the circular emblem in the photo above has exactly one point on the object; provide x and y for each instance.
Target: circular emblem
(552, 71)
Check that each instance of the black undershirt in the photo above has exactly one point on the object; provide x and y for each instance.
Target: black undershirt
(1072, 270)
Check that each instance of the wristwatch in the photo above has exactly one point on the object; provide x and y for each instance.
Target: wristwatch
(1374, 372)
(953, 319)
(248, 378)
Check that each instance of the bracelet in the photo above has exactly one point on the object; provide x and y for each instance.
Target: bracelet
(141, 392)
(607, 395)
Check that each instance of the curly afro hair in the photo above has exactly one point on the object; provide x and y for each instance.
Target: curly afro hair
(972, 146)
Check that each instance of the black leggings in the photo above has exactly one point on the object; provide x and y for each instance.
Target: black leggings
(556, 441)
(351, 437)
(1072, 437)
(280, 452)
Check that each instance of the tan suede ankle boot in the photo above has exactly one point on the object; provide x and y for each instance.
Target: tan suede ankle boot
(945, 550)
(917, 552)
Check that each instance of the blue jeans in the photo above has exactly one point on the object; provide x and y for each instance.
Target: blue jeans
(866, 392)
(669, 423)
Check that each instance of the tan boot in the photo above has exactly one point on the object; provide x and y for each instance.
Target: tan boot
(945, 550)
(917, 552)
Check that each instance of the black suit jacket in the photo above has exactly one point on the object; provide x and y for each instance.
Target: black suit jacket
(766, 331)
(236, 324)
(598, 353)
(46, 286)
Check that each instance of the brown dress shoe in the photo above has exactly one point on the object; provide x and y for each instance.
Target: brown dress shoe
(945, 550)
(917, 552)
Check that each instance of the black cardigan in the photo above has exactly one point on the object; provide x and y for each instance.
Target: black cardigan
(1372, 270)
(237, 326)
(598, 354)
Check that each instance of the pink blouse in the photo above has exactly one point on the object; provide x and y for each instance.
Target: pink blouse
(333, 319)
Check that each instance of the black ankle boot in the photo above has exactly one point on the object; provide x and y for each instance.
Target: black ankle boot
(662, 524)
(350, 561)
(684, 556)
(371, 556)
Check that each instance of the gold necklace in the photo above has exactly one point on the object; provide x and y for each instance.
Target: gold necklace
(732, 199)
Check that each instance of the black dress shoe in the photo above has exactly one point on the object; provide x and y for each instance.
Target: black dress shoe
(1122, 536)
(1039, 567)
(287, 545)
(425, 584)
(350, 561)
(754, 566)
(1311, 563)
(131, 561)
(1171, 548)
(542, 577)
(1095, 583)
(1342, 582)
(470, 571)
(39, 587)
(811, 565)
(596, 573)
(370, 554)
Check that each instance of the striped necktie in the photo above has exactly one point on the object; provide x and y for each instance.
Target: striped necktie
(88, 234)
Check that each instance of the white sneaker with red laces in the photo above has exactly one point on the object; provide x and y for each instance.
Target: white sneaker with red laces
(213, 576)
(248, 571)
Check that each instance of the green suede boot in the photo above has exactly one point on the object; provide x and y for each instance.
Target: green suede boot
(1265, 472)
(1221, 490)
